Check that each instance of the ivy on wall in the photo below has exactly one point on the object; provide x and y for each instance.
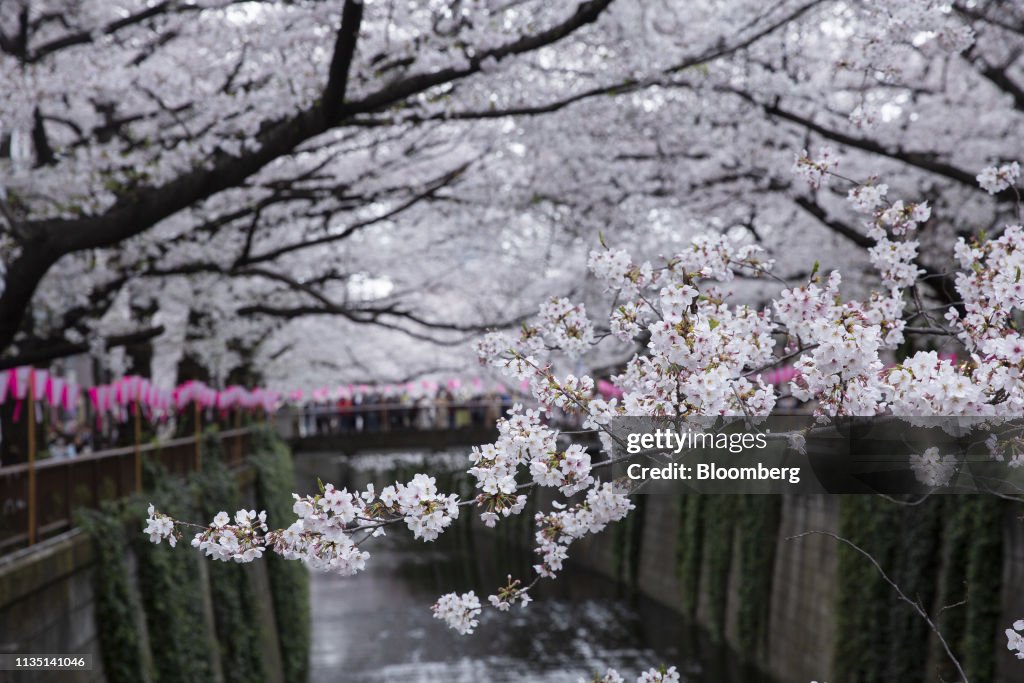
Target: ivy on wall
(714, 533)
(953, 582)
(628, 544)
(719, 524)
(945, 552)
(689, 550)
(235, 615)
(172, 594)
(916, 546)
(859, 589)
(984, 559)
(758, 529)
(171, 589)
(289, 580)
(114, 603)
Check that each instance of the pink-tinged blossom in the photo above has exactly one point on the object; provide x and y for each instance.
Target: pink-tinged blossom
(815, 171)
(867, 198)
(995, 179)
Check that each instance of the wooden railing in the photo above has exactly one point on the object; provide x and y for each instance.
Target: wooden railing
(38, 499)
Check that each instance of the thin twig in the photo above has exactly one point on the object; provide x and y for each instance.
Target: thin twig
(902, 596)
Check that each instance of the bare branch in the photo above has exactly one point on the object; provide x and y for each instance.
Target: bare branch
(899, 592)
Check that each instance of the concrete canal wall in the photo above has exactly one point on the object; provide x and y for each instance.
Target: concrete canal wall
(159, 613)
(803, 624)
(48, 606)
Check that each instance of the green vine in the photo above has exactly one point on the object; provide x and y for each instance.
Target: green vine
(689, 550)
(941, 552)
(185, 643)
(636, 539)
(289, 580)
(984, 586)
(758, 529)
(858, 590)
(114, 603)
(171, 586)
(718, 547)
(235, 615)
(953, 582)
(913, 564)
(628, 545)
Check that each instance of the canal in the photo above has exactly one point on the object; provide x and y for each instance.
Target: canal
(377, 626)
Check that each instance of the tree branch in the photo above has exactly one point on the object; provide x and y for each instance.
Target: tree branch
(430, 191)
(924, 161)
(147, 205)
(941, 284)
(60, 348)
(341, 60)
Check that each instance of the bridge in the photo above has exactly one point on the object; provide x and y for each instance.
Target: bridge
(433, 426)
(354, 443)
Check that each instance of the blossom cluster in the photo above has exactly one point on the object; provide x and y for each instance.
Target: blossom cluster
(522, 438)
(893, 258)
(893, 30)
(566, 326)
(509, 594)
(321, 536)
(867, 197)
(459, 612)
(925, 384)
(692, 331)
(242, 541)
(895, 262)
(701, 352)
(700, 348)
(669, 675)
(842, 370)
(898, 218)
(815, 171)
(1009, 450)
(426, 512)
(989, 285)
(843, 341)
(995, 179)
(329, 526)
(159, 527)
(1015, 638)
(556, 530)
(932, 468)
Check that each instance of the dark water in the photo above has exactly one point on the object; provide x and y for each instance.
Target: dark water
(377, 626)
